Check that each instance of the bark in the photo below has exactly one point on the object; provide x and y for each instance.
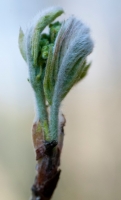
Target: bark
(48, 162)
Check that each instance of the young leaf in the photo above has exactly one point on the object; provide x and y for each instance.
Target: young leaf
(22, 44)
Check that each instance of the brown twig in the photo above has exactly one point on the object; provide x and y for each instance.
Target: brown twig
(48, 162)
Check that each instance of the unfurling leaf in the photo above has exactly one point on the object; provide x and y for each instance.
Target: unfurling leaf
(22, 44)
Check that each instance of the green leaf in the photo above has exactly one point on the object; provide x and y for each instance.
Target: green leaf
(43, 20)
(21, 44)
(48, 84)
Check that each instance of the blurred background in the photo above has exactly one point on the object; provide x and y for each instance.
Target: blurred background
(91, 158)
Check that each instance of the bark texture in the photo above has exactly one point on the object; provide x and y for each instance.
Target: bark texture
(48, 162)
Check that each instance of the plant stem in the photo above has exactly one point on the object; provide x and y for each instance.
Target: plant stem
(41, 110)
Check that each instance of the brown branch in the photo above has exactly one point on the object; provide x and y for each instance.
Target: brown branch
(48, 162)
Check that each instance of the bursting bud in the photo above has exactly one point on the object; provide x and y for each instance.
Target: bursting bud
(57, 60)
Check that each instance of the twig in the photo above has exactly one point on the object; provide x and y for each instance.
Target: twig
(48, 161)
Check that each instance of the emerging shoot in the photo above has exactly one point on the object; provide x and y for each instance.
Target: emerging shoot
(56, 61)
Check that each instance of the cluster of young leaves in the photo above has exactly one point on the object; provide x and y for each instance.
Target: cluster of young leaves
(57, 60)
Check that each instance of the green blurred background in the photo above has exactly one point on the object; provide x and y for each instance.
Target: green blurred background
(91, 158)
